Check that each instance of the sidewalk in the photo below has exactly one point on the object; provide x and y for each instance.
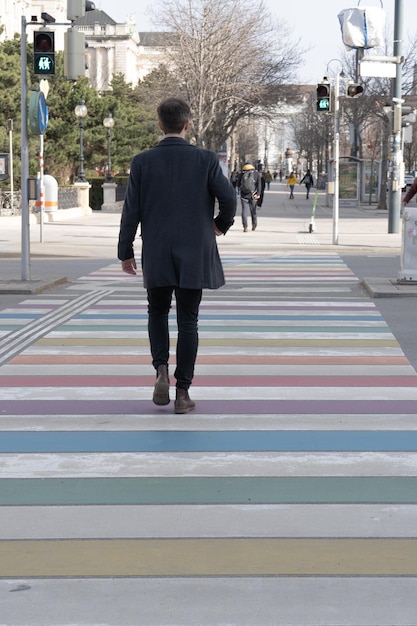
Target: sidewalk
(283, 224)
(288, 497)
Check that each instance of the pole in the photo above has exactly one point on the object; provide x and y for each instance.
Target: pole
(109, 176)
(336, 162)
(25, 236)
(10, 129)
(41, 187)
(81, 175)
(394, 208)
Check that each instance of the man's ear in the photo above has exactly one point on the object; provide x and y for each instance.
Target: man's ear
(187, 125)
(161, 127)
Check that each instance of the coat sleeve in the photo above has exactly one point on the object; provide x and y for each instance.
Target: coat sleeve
(131, 215)
(222, 189)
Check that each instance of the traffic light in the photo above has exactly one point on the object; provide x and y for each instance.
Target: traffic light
(78, 8)
(74, 54)
(43, 52)
(323, 97)
(353, 90)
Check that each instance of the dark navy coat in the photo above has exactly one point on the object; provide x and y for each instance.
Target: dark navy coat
(171, 194)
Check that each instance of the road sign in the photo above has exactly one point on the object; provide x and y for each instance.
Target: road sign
(38, 113)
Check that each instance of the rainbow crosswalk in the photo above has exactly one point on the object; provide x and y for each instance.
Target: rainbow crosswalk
(296, 476)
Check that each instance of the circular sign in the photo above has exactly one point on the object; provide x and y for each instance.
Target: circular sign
(38, 113)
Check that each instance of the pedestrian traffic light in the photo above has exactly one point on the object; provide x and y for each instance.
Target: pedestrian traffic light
(353, 90)
(43, 52)
(323, 97)
(74, 54)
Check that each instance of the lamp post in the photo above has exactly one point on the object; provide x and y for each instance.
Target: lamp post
(108, 124)
(81, 112)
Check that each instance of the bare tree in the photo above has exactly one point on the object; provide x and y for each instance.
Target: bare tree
(226, 55)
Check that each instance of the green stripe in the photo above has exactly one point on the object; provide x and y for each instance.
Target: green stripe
(240, 342)
(208, 490)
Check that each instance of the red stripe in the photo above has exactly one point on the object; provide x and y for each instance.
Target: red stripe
(210, 381)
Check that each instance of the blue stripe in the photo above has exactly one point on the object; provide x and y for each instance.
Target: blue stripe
(197, 441)
(225, 316)
(28, 316)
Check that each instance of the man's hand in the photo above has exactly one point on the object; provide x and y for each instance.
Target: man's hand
(129, 266)
(217, 231)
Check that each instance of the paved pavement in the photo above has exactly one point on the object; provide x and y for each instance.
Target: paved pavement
(288, 497)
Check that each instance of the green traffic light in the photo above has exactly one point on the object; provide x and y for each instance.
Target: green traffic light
(44, 64)
(323, 104)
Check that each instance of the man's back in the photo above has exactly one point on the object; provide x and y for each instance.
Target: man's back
(172, 191)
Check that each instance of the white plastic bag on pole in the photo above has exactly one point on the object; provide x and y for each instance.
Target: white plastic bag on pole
(362, 27)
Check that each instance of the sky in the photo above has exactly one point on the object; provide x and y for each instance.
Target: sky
(315, 24)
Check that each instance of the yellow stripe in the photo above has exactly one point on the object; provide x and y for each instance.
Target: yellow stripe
(209, 557)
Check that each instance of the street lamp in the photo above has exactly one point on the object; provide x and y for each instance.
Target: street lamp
(81, 112)
(108, 123)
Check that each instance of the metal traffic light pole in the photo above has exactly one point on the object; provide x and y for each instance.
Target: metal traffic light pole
(336, 161)
(25, 234)
(394, 208)
(25, 238)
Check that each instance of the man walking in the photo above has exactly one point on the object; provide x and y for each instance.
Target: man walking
(179, 249)
(249, 184)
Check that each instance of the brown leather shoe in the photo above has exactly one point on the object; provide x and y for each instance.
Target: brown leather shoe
(161, 390)
(183, 402)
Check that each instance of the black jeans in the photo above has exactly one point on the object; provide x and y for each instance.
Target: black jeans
(188, 303)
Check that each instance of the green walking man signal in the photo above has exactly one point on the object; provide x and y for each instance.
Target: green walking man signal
(323, 97)
(43, 52)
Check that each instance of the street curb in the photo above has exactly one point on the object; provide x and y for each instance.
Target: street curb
(30, 286)
(389, 288)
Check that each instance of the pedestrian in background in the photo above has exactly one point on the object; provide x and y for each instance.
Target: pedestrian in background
(308, 181)
(410, 193)
(268, 179)
(291, 182)
(233, 178)
(179, 249)
(249, 184)
(261, 195)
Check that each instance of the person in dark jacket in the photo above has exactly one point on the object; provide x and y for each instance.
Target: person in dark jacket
(249, 198)
(261, 195)
(308, 181)
(179, 249)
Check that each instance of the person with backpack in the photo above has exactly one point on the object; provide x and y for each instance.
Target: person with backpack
(249, 184)
(308, 181)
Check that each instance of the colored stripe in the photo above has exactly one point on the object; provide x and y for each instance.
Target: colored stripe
(240, 342)
(231, 359)
(207, 441)
(208, 557)
(211, 407)
(208, 490)
(240, 380)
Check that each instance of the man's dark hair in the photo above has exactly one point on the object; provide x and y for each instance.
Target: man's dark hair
(173, 114)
